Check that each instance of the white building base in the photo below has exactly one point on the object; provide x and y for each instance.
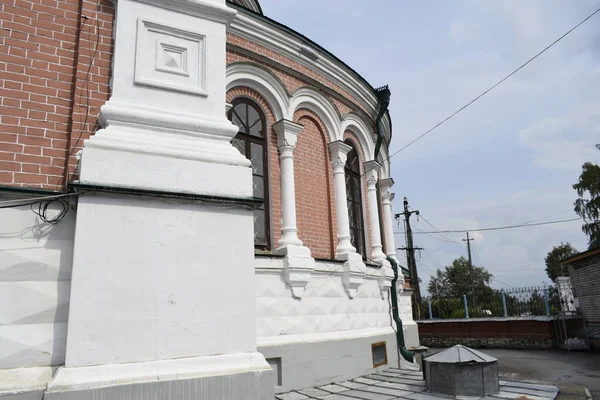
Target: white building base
(231, 376)
(304, 361)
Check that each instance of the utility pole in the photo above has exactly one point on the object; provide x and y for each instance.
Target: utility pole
(410, 258)
(469, 249)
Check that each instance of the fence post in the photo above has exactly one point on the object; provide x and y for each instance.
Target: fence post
(429, 306)
(504, 304)
(547, 301)
(466, 306)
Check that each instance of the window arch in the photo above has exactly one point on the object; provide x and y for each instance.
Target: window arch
(354, 200)
(251, 142)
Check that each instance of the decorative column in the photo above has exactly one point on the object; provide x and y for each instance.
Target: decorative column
(339, 152)
(354, 267)
(164, 198)
(298, 262)
(385, 189)
(372, 169)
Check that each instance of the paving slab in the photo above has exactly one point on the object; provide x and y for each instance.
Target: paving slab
(366, 381)
(333, 388)
(401, 386)
(291, 396)
(519, 396)
(336, 396)
(427, 396)
(540, 393)
(533, 386)
(396, 380)
(359, 394)
(384, 390)
(313, 392)
(351, 384)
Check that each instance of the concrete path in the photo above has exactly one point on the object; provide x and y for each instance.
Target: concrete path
(401, 384)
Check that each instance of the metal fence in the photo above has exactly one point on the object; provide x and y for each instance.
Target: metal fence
(514, 302)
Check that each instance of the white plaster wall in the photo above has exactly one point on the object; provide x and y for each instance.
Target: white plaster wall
(324, 307)
(35, 274)
(156, 279)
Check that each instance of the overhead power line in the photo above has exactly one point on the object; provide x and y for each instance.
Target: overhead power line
(494, 86)
(497, 228)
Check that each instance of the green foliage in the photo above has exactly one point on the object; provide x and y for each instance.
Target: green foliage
(554, 267)
(459, 279)
(587, 206)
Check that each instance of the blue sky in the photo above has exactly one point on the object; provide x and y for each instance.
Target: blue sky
(509, 158)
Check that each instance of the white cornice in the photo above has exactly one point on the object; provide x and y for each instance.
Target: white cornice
(265, 34)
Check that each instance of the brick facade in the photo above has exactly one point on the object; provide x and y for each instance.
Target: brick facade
(55, 58)
(55, 69)
(585, 279)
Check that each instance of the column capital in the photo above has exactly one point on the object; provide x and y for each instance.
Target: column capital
(372, 169)
(339, 152)
(386, 183)
(287, 132)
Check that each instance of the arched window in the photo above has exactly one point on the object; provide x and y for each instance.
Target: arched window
(354, 199)
(251, 142)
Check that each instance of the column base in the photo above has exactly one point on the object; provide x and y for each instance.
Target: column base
(231, 376)
(298, 267)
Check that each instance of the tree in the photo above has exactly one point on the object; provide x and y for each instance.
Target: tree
(587, 206)
(459, 279)
(554, 267)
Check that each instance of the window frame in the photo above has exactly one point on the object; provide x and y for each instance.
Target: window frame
(264, 142)
(357, 224)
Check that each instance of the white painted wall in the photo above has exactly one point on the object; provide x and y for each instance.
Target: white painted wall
(35, 274)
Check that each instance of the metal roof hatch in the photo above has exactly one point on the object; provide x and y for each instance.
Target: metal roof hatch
(461, 371)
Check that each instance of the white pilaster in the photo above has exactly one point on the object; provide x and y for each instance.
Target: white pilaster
(354, 268)
(287, 136)
(147, 270)
(385, 188)
(299, 263)
(372, 169)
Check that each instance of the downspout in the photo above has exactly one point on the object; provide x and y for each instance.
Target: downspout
(383, 96)
(407, 355)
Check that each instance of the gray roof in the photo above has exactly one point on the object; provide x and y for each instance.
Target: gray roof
(460, 354)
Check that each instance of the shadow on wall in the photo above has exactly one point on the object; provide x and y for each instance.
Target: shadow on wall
(35, 275)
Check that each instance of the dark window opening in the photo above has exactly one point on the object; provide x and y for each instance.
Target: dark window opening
(354, 200)
(251, 142)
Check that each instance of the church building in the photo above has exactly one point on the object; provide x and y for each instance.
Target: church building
(195, 202)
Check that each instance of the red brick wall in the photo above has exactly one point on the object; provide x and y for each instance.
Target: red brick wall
(44, 44)
(315, 201)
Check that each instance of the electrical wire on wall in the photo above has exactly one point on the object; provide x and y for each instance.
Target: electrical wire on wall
(50, 209)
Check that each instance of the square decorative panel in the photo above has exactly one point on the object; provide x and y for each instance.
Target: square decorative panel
(170, 58)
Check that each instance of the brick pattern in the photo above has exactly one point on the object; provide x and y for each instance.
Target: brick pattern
(47, 48)
(515, 334)
(315, 201)
(273, 156)
(349, 135)
(585, 279)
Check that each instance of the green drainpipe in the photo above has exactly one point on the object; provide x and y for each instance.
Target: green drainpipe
(407, 355)
(383, 96)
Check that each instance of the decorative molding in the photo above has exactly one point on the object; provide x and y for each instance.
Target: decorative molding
(385, 188)
(204, 9)
(265, 34)
(339, 152)
(298, 266)
(170, 58)
(309, 98)
(287, 132)
(354, 272)
(386, 274)
(372, 169)
(264, 82)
